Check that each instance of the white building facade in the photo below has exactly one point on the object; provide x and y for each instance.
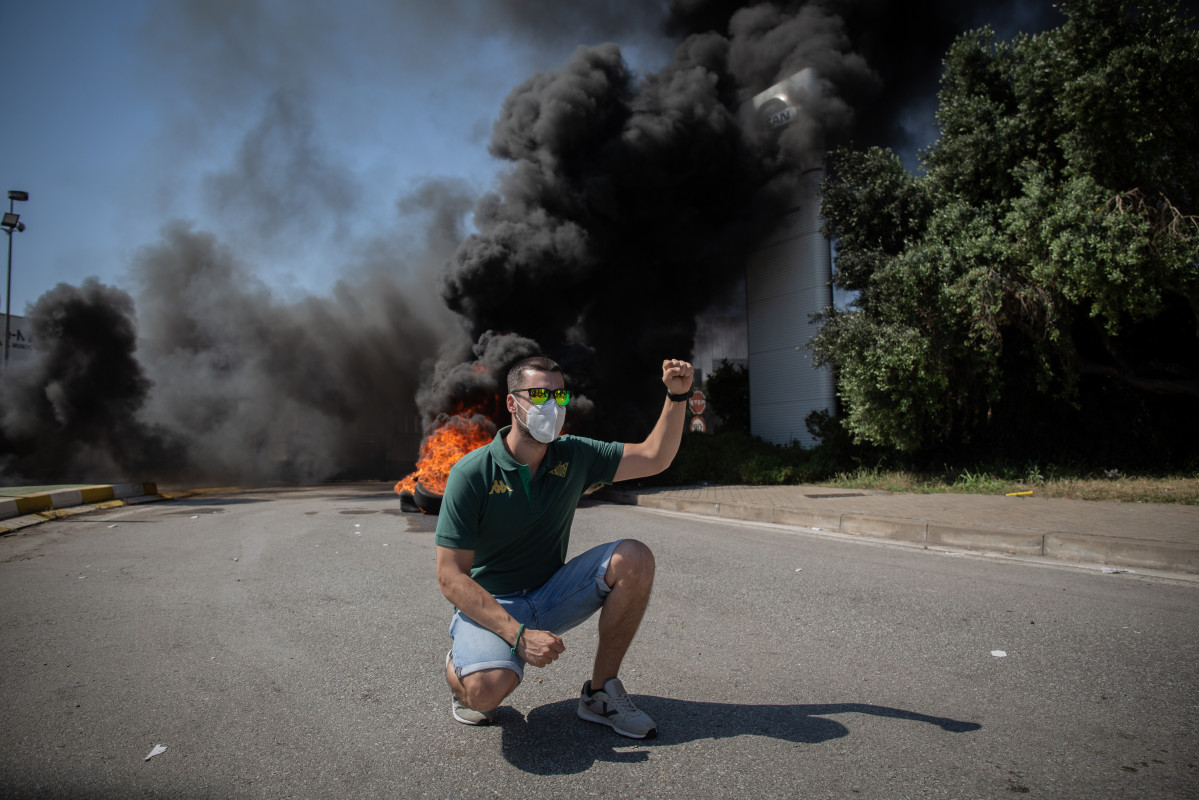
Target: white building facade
(787, 280)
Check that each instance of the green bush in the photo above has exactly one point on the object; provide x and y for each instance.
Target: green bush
(727, 392)
(733, 457)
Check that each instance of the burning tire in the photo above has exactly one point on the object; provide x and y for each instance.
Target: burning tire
(440, 450)
(408, 503)
(428, 502)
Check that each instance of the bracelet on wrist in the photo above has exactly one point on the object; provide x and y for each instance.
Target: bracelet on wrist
(516, 644)
(680, 397)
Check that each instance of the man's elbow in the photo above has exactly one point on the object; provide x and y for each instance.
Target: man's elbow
(662, 463)
(448, 577)
(649, 468)
(445, 582)
(665, 458)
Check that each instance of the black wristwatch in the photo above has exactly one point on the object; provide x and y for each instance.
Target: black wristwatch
(679, 398)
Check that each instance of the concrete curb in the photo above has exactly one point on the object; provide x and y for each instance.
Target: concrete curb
(21, 512)
(1072, 546)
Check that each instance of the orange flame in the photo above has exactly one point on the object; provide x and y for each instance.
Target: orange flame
(441, 449)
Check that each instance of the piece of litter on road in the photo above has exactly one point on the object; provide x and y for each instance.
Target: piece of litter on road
(385, 544)
(999, 653)
(156, 751)
(234, 558)
(195, 516)
(1113, 571)
(112, 526)
(799, 570)
(1018, 494)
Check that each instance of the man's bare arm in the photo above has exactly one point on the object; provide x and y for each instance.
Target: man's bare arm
(660, 447)
(538, 648)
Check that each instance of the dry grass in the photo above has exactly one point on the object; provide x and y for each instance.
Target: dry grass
(1183, 489)
(1134, 490)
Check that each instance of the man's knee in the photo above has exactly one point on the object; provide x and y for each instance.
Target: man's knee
(633, 561)
(487, 688)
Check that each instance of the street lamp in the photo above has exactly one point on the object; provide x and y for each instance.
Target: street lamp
(11, 222)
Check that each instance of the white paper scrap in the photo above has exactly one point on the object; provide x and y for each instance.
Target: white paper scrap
(158, 748)
(1112, 571)
(197, 516)
(999, 653)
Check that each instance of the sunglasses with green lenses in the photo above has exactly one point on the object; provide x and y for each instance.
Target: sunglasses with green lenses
(539, 396)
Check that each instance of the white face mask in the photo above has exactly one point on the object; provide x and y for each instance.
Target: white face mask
(544, 422)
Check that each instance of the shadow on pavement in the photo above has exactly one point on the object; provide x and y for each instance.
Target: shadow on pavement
(552, 740)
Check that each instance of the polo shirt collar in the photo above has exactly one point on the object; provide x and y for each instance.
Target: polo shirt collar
(501, 456)
(499, 453)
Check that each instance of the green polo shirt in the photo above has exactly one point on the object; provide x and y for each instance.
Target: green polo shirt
(517, 524)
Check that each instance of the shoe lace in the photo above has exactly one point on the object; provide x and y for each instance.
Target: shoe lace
(623, 704)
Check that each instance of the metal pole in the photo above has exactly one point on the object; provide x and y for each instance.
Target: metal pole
(8, 295)
(12, 225)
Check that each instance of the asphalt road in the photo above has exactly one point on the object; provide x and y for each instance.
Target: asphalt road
(290, 644)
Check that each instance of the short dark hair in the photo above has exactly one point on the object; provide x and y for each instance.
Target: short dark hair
(516, 375)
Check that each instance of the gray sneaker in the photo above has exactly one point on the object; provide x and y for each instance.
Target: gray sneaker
(465, 715)
(468, 716)
(611, 706)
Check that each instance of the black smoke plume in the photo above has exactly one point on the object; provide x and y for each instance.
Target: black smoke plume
(903, 44)
(219, 380)
(631, 202)
(254, 385)
(75, 411)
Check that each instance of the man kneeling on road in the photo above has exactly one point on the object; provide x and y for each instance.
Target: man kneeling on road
(502, 536)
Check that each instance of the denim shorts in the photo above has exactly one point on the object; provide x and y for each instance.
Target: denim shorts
(575, 592)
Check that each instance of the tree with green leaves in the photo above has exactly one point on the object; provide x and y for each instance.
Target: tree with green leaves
(727, 390)
(1034, 291)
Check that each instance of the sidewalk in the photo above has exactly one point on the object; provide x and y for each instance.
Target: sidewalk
(1148, 536)
(22, 506)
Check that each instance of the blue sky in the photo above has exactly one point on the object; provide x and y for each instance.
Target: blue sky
(290, 130)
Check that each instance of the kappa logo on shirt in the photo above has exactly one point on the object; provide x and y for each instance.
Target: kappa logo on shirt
(560, 470)
(499, 487)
